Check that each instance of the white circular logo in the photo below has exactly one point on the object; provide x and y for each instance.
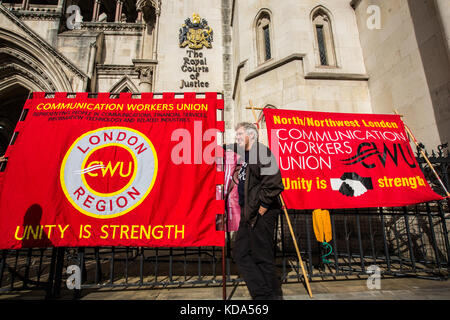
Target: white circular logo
(109, 171)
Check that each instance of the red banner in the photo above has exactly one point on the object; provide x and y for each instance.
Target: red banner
(342, 160)
(122, 172)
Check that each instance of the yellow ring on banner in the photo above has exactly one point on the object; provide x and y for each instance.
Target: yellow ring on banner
(93, 215)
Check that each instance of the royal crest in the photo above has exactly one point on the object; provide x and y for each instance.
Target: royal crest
(195, 33)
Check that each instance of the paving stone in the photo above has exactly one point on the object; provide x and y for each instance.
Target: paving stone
(391, 289)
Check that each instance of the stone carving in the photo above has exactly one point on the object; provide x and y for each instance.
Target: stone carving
(196, 33)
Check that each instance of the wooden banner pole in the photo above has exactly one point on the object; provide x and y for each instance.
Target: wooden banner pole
(254, 114)
(224, 276)
(425, 157)
(305, 275)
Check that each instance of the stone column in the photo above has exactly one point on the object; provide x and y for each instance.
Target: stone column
(146, 70)
(25, 4)
(60, 5)
(139, 16)
(145, 78)
(155, 36)
(91, 62)
(443, 11)
(96, 10)
(119, 5)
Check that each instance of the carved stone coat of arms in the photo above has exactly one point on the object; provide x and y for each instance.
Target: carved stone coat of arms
(195, 33)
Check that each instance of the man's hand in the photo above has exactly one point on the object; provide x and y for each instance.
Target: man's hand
(262, 210)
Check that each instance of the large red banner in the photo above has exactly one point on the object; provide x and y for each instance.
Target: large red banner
(85, 171)
(342, 160)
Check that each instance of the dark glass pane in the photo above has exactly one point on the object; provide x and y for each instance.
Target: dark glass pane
(267, 42)
(322, 48)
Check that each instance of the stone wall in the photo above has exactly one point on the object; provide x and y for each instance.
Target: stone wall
(408, 66)
(404, 65)
(171, 58)
(293, 78)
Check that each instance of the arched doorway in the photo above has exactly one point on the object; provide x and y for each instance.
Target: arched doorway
(24, 68)
(12, 100)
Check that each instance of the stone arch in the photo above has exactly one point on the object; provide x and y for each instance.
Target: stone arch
(263, 35)
(25, 67)
(324, 40)
(20, 56)
(122, 85)
(12, 99)
(149, 8)
(149, 11)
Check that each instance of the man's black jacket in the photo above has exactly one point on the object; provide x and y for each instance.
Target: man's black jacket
(263, 182)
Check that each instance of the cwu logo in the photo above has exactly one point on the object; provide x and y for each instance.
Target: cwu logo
(108, 172)
(195, 33)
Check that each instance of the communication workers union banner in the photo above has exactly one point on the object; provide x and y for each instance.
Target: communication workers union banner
(124, 172)
(342, 160)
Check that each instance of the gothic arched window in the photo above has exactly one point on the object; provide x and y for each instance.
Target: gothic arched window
(323, 34)
(263, 37)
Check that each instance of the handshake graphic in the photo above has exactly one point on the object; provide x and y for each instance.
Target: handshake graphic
(350, 184)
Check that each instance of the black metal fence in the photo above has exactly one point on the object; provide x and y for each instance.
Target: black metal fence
(402, 241)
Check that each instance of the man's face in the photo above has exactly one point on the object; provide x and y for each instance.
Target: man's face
(242, 139)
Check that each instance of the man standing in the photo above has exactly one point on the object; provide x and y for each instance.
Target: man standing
(259, 186)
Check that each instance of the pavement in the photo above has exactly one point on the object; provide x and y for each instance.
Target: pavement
(341, 289)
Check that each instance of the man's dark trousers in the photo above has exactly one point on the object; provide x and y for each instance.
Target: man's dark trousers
(254, 254)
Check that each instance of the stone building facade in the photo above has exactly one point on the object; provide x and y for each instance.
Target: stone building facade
(369, 56)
